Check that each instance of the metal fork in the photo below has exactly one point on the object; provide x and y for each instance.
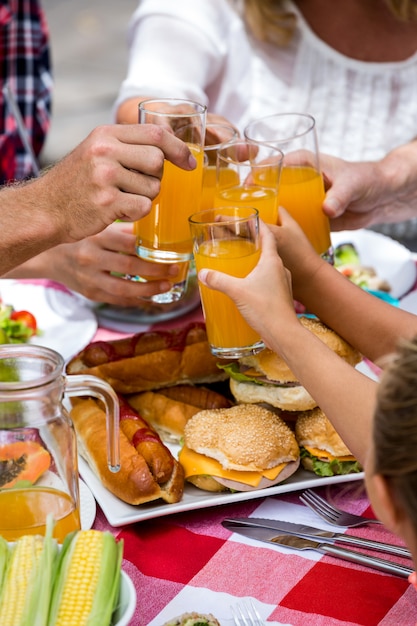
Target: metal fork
(246, 614)
(332, 514)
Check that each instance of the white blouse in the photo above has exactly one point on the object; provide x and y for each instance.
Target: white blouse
(200, 49)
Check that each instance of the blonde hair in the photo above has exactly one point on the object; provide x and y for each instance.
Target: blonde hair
(269, 21)
(395, 428)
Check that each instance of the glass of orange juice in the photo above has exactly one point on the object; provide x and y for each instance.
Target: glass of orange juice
(226, 239)
(248, 175)
(163, 236)
(216, 135)
(301, 189)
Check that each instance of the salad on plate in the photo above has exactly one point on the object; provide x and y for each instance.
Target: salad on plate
(16, 326)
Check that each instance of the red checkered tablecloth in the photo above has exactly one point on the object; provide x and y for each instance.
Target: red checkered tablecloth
(189, 562)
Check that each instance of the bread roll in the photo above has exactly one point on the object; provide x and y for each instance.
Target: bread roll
(150, 360)
(134, 483)
(271, 381)
(314, 429)
(275, 368)
(244, 437)
(295, 398)
(243, 448)
(169, 409)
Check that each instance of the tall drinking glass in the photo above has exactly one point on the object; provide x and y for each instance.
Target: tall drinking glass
(301, 189)
(163, 236)
(248, 175)
(226, 239)
(216, 136)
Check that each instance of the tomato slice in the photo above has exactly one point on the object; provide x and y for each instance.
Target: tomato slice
(26, 318)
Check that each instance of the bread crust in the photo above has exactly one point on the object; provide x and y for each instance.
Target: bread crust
(314, 429)
(273, 366)
(294, 398)
(151, 360)
(169, 409)
(134, 483)
(245, 437)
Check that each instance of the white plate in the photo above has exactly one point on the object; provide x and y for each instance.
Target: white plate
(390, 259)
(409, 302)
(118, 513)
(66, 322)
(88, 507)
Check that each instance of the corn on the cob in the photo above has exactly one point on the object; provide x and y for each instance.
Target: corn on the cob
(87, 584)
(4, 557)
(21, 572)
(26, 584)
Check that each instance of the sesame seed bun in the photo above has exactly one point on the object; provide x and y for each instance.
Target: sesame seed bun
(274, 367)
(314, 429)
(243, 438)
(280, 387)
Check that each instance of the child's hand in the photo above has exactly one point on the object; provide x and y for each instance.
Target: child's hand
(297, 253)
(264, 297)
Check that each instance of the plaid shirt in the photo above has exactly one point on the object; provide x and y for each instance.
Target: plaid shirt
(25, 66)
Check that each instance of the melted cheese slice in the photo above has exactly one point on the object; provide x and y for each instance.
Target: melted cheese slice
(323, 454)
(195, 464)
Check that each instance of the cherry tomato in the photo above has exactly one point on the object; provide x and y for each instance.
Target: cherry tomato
(27, 318)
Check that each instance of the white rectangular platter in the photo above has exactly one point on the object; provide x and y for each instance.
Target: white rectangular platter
(119, 513)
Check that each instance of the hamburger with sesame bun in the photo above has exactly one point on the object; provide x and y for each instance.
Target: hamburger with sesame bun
(242, 448)
(265, 378)
(322, 450)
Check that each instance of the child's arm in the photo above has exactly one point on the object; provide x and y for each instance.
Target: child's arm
(264, 297)
(370, 324)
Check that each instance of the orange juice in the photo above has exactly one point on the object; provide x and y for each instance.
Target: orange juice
(226, 328)
(166, 227)
(228, 177)
(301, 192)
(264, 199)
(24, 512)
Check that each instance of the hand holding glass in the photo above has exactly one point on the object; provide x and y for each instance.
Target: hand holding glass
(248, 175)
(163, 236)
(226, 239)
(301, 189)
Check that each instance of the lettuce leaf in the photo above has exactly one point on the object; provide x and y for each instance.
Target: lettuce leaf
(332, 468)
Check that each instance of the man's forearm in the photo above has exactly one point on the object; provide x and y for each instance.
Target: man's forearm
(27, 228)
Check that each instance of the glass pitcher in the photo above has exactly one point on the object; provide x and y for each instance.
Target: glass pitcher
(38, 446)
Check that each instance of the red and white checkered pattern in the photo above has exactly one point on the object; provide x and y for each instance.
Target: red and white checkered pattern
(189, 562)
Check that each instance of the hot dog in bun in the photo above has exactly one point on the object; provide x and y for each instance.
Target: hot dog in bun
(266, 378)
(151, 360)
(242, 448)
(169, 409)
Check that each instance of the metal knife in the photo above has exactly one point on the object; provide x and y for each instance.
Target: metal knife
(324, 536)
(301, 543)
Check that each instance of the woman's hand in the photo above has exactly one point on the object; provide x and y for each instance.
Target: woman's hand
(364, 193)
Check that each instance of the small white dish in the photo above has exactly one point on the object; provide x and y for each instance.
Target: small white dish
(127, 602)
(390, 259)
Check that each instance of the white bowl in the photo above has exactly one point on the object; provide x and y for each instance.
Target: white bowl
(127, 602)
